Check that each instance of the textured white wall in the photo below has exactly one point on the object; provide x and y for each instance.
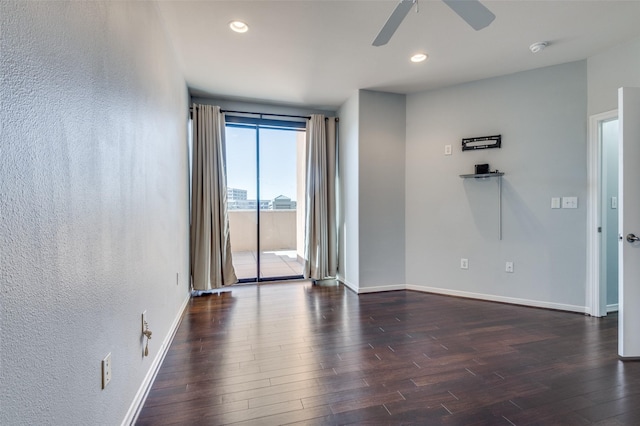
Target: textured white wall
(541, 115)
(93, 199)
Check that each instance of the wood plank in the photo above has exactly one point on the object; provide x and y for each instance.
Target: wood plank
(313, 355)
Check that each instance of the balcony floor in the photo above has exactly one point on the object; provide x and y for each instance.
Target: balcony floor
(277, 263)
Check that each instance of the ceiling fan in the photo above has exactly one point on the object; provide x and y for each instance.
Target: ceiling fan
(472, 11)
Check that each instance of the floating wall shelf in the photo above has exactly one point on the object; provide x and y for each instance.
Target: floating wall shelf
(487, 176)
(483, 175)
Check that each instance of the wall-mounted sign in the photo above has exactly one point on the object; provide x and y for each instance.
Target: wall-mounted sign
(482, 142)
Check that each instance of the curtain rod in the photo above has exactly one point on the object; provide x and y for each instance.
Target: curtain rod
(267, 114)
(260, 113)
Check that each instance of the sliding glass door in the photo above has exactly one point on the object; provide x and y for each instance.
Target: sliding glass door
(265, 180)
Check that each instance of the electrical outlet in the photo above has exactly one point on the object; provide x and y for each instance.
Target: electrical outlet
(447, 150)
(106, 370)
(464, 263)
(508, 267)
(144, 320)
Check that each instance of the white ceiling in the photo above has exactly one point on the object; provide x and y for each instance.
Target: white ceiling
(317, 53)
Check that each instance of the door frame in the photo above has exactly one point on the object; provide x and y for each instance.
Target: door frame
(245, 120)
(596, 295)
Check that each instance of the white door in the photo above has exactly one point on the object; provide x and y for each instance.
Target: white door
(629, 223)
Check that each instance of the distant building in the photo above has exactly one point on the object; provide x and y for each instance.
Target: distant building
(248, 205)
(234, 194)
(237, 200)
(282, 202)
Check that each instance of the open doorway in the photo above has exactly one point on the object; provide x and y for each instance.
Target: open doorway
(603, 221)
(609, 211)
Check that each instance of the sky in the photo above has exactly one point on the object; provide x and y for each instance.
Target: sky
(277, 162)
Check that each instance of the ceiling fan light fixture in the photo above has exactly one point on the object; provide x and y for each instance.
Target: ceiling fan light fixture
(239, 26)
(419, 57)
(538, 47)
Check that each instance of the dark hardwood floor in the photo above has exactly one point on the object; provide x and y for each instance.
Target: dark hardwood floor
(297, 353)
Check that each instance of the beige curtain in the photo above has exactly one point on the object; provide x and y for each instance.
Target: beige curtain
(211, 265)
(321, 254)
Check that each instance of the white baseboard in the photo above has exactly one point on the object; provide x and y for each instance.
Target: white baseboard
(360, 290)
(469, 295)
(503, 299)
(351, 286)
(392, 287)
(612, 308)
(143, 391)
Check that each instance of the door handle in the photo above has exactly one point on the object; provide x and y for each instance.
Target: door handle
(631, 238)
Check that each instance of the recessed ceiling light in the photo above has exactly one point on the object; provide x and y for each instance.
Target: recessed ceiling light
(538, 47)
(419, 57)
(238, 26)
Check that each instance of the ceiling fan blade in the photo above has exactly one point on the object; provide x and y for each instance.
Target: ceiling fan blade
(394, 21)
(473, 12)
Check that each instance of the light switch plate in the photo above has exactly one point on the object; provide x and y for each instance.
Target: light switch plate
(614, 202)
(447, 150)
(569, 202)
(555, 202)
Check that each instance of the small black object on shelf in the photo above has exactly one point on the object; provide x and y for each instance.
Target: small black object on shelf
(482, 169)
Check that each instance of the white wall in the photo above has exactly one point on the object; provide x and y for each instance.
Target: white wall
(616, 67)
(348, 182)
(381, 156)
(541, 115)
(371, 191)
(93, 224)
